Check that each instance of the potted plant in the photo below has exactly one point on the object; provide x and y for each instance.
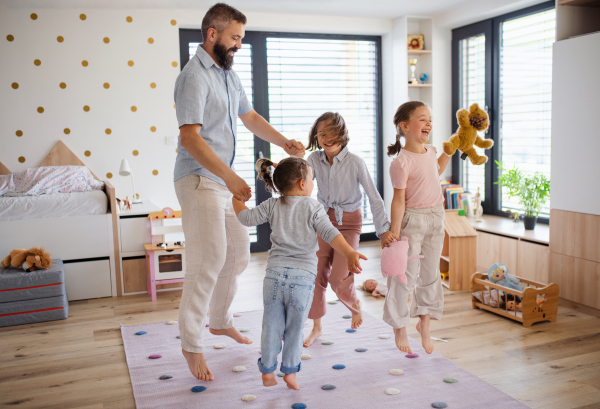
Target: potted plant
(532, 191)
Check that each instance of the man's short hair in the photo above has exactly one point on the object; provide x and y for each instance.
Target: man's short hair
(219, 16)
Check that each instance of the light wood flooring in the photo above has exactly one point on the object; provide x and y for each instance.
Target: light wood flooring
(80, 362)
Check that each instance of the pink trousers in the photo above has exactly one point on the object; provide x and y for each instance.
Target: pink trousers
(332, 267)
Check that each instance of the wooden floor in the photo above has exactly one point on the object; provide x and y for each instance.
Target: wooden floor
(80, 362)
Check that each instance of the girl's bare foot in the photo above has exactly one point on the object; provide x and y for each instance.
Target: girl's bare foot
(357, 319)
(232, 333)
(269, 379)
(198, 366)
(316, 332)
(423, 328)
(290, 380)
(402, 340)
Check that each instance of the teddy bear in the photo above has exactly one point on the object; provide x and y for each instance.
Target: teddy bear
(498, 274)
(34, 258)
(469, 122)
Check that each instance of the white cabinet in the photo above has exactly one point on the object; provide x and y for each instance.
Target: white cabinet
(87, 279)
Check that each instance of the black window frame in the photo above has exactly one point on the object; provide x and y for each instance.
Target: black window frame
(491, 28)
(258, 39)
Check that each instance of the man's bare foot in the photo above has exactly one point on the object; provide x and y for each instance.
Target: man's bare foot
(198, 366)
(402, 340)
(232, 333)
(357, 319)
(269, 379)
(290, 380)
(316, 332)
(423, 328)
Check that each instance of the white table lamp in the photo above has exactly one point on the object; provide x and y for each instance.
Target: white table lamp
(126, 171)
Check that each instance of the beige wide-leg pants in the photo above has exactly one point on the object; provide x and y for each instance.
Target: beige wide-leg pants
(425, 231)
(217, 249)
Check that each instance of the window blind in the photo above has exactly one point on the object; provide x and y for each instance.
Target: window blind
(472, 90)
(526, 96)
(308, 77)
(244, 151)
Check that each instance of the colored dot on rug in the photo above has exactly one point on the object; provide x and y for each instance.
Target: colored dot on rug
(165, 377)
(155, 356)
(141, 333)
(450, 380)
(306, 356)
(239, 368)
(332, 302)
(327, 343)
(298, 406)
(178, 337)
(171, 322)
(412, 355)
(439, 405)
(244, 330)
(392, 391)
(351, 330)
(328, 387)
(281, 374)
(220, 346)
(396, 371)
(206, 325)
(338, 366)
(197, 389)
(361, 349)
(237, 315)
(347, 317)
(248, 398)
(384, 336)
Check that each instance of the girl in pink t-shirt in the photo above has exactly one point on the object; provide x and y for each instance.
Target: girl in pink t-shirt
(418, 213)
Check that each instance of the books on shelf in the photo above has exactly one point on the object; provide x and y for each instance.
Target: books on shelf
(455, 197)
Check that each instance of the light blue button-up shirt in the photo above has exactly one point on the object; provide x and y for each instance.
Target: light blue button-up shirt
(206, 94)
(339, 186)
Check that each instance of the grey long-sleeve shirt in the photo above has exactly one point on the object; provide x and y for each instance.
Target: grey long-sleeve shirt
(294, 227)
(339, 186)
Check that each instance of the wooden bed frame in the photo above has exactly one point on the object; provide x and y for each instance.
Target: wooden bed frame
(15, 232)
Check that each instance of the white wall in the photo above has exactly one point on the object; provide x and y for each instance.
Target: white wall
(38, 86)
(575, 135)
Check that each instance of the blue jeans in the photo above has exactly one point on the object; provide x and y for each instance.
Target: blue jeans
(287, 297)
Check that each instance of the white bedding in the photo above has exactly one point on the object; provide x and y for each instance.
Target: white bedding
(53, 205)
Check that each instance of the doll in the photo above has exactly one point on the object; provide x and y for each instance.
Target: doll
(376, 288)
(498, 274)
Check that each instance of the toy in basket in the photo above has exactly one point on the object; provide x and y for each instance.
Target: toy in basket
(525, 301)
(394, 259)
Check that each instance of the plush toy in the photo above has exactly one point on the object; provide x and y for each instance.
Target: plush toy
(394, 259)
(498, 274)
(34, 258)
(469, 122)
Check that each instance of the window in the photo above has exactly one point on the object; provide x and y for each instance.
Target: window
(505, 65)
(291, 79)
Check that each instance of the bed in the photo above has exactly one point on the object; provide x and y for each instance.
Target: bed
(80, 228)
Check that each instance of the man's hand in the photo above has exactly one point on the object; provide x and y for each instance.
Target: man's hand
(238, 187)
(294, 148)
(354, 262)
(387, 238)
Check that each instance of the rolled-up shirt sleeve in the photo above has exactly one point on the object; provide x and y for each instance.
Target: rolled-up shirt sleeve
(380, 217)
(323, 226)
(398, 174)
(258, 215)
(190, 99)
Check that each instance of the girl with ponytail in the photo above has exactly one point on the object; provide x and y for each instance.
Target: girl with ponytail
(289, 282)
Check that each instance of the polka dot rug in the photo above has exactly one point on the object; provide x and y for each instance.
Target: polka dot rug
(420, 385)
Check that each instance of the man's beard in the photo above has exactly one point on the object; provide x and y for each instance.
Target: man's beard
(223, 58)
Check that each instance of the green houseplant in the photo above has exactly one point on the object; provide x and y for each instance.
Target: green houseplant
(532, 191)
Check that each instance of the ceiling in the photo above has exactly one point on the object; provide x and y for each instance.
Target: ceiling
(356, 8)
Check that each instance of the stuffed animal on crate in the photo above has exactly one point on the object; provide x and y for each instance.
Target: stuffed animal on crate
(498, 274)
(394, 259)
(32, 259)
(469, 122)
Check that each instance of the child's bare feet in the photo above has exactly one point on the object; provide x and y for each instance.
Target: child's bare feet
(357, 319)
(402, 340)
(232, 333)
(316, 332)
(269, 379)
(290, 380)
(423, 328)
(198, 366)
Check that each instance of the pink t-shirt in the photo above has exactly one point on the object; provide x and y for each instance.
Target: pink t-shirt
(418, 174)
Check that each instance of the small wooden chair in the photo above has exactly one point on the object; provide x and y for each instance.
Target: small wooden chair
(164, 264)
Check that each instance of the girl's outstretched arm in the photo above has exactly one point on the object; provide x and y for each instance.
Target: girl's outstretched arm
(397, 210)
(238, 206)
(443, 162)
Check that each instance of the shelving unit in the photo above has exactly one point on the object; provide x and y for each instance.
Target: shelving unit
(421, 92)
(459, 253)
